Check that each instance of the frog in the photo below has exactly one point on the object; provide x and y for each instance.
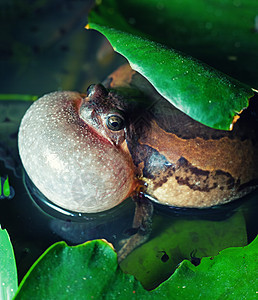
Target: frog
(88, 152)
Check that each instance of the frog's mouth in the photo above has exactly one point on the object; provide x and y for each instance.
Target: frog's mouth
(69, 162)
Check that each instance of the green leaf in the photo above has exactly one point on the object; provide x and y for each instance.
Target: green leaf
(230, 275)
(90, 271)
(200, 91)
(6, 188)
(14, 97)
(207, 30)
(8, 273)
(87, 271)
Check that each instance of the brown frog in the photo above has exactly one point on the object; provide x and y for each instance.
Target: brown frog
(87, 153)
(185, 163)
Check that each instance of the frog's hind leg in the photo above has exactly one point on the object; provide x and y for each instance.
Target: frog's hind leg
(141, 229)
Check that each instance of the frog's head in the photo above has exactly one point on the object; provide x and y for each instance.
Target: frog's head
(104, 111)
(73, 149)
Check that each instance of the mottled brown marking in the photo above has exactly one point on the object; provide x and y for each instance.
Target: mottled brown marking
(236, 157)
(194, 178)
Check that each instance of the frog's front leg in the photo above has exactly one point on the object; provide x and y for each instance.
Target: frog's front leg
(141, 229)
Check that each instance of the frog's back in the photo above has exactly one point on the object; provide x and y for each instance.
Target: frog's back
(188, 164)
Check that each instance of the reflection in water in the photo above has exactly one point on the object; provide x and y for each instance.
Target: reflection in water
(77, 228)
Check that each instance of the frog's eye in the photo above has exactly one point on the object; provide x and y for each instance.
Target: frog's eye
(115, 122)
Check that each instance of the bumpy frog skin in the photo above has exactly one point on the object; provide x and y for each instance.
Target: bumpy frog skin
(89, 153)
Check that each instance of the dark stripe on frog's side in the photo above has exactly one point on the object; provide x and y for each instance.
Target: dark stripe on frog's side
(200, 180)
(196, 179)
(155, 166)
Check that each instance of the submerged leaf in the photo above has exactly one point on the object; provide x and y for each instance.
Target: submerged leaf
(200, 91)
(182, 239)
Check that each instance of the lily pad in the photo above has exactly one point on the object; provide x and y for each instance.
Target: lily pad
(8, 273)
(205, 94)
(90, 271)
